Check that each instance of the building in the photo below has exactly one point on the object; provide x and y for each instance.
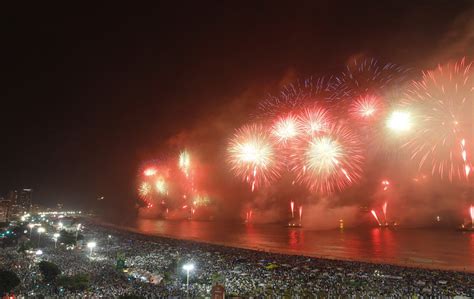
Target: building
(25, 198)
(12, 196)
(20, 202)
(5, 206)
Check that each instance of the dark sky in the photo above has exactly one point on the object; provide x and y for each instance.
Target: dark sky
(89, 92)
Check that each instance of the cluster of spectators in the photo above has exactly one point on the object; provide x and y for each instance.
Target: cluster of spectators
(242, 272)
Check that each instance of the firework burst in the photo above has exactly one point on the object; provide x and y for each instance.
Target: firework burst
(184, 162)
(252, 156)
(329, 161)
(201, 200)
(298, 95)
(368, 76)
(161, 186)
(442, 139)
(366, 107)
(314, 121)
(151, 171)
(399, 121)
(285, 128)
(145, 191)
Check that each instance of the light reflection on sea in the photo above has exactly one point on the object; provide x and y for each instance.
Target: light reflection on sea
(433, 248)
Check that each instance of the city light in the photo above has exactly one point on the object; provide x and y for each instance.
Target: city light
(187, 268)
(55, 237)
(91, 246)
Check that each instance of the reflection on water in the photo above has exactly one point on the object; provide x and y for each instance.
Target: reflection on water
(426, 247)
(296, 239)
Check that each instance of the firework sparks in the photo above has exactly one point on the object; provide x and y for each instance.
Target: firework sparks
(285, 128)
(201, 200)
(252, 156)
(369, 76)
(301, 212)
(144, 191)
(375, 216)
(292, 206)
(366, 107)
(184, 162)
(399, 121)
(314, 121)
(161, 186)
(384, 209)
(150, 171)
(471, 212)
(443, 99)
(328, 162)
(248, 216)
(385, 184)
(467, 167)
(295, 96)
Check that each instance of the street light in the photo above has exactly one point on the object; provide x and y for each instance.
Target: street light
(188, 267)
(55, 237)
(60, 224)
(91, 245)
(40, 230)
(77, 230)
(31, 225)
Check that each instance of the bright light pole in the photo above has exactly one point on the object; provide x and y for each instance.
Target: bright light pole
(31, 225)
(40, 230)
(55, 237)
(188, 267)
(91, 245)
(77, 230)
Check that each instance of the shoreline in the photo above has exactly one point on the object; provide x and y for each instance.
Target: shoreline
(413, 265)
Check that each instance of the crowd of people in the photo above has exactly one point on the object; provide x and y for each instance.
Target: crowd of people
(244, 273)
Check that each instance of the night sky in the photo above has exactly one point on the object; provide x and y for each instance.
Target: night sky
(90, 92)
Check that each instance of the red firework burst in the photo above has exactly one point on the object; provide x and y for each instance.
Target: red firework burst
(443, 102)
(313, 121)
(328, 161)
(367, 107)
(369, 76)
(295, 96)
(286, 128)
(252, 156)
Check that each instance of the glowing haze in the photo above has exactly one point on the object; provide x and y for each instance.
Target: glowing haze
(312, 144)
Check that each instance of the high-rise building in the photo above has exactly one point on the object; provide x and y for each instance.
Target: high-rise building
(5, 206)
(14, 210)
(24, 199)
(12, 196)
